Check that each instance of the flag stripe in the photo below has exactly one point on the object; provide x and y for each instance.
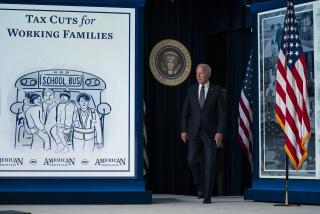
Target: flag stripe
(244, 114)
(292, 129)
(244, 138)
(244, 131)
(246, 107)
(292, 151)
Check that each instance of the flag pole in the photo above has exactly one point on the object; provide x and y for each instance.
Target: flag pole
(288, 112)
(286, 185)
(286, 198)
(286, 189)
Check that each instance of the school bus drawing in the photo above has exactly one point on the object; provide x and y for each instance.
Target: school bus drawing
(60, 110)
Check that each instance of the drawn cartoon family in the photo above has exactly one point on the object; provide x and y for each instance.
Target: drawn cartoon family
(60, 119)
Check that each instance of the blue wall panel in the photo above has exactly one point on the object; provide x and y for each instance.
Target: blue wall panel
(82, 191)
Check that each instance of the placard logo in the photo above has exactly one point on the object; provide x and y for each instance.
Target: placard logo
(33, 161)
(11, 161)
(110, 161)
(59, 162)
(84, 162)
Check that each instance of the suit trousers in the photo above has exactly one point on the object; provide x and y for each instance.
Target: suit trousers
(201, 160)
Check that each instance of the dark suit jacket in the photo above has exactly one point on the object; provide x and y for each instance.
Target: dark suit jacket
(212, 114)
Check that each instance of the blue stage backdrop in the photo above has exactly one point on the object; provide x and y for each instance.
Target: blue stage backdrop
(269, 156)
(71, 102)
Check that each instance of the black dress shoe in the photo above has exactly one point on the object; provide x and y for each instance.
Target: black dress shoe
(200, 194)
(206, 201)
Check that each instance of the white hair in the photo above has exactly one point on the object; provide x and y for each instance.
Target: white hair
(206, 67)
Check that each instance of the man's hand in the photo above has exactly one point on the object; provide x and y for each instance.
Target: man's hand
(184, 136)
(218, 139)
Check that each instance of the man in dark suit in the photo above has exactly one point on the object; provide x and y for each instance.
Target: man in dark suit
(202, 124)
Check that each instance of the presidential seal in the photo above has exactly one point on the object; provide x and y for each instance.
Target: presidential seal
(170, 62)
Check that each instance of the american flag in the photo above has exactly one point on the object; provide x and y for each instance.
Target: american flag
(292, 107)
(245, 119)
(145, 143)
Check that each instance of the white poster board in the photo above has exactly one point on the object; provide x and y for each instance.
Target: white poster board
(67, 91)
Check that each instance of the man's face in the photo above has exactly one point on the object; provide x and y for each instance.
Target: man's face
(64, 98)
(83, 103)
(48, 97)
(202, 75)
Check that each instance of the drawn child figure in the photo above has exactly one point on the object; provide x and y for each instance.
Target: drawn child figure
(34, 125)
(49, 111)
(66, 113)
(87, 131)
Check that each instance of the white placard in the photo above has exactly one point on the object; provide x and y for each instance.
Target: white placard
(67, 91)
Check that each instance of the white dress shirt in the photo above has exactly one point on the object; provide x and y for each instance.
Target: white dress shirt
(206, 88)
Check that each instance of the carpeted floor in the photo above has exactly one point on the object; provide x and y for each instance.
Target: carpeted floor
(169, 204)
